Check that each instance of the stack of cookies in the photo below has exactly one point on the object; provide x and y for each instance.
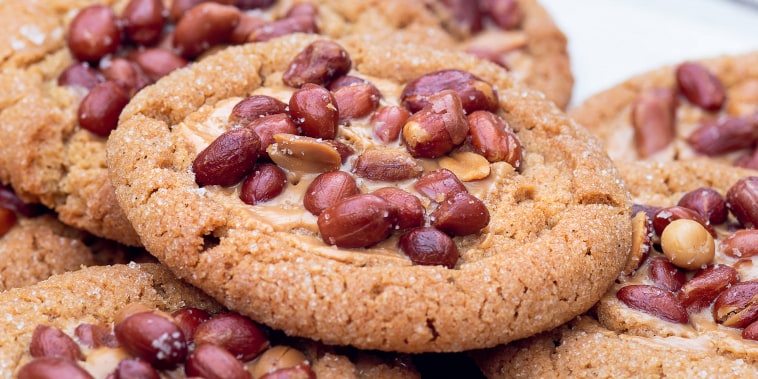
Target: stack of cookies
(301, 189)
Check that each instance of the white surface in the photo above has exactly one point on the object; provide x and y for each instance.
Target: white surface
(611, 40)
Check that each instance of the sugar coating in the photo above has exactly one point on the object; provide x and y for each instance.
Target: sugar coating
(36, 248)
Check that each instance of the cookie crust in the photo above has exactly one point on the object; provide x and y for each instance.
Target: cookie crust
(559, 232)
(36, 248)
(585, 349)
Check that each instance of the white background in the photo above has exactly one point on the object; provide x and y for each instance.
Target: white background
(611, 40)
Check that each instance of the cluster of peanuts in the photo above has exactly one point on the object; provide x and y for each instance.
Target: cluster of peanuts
(117, 55)
(146, 342)
(702, 249)
(654, 118)
(443, 113)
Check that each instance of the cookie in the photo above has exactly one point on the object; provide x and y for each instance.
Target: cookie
(697, 283)
(699, 108)
(34, 245)
(585, 349)
(670, 313)
(467, 253)
(517, 34)
(81, 309)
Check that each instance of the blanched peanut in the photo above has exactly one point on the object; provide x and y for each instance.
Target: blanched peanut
(687, 244)
(276, 358)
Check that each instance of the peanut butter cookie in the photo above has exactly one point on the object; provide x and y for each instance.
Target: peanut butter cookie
(684, 305)
(699, 277)
(139, 319)
(699, 108)
(517, 34)
(346, 192)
